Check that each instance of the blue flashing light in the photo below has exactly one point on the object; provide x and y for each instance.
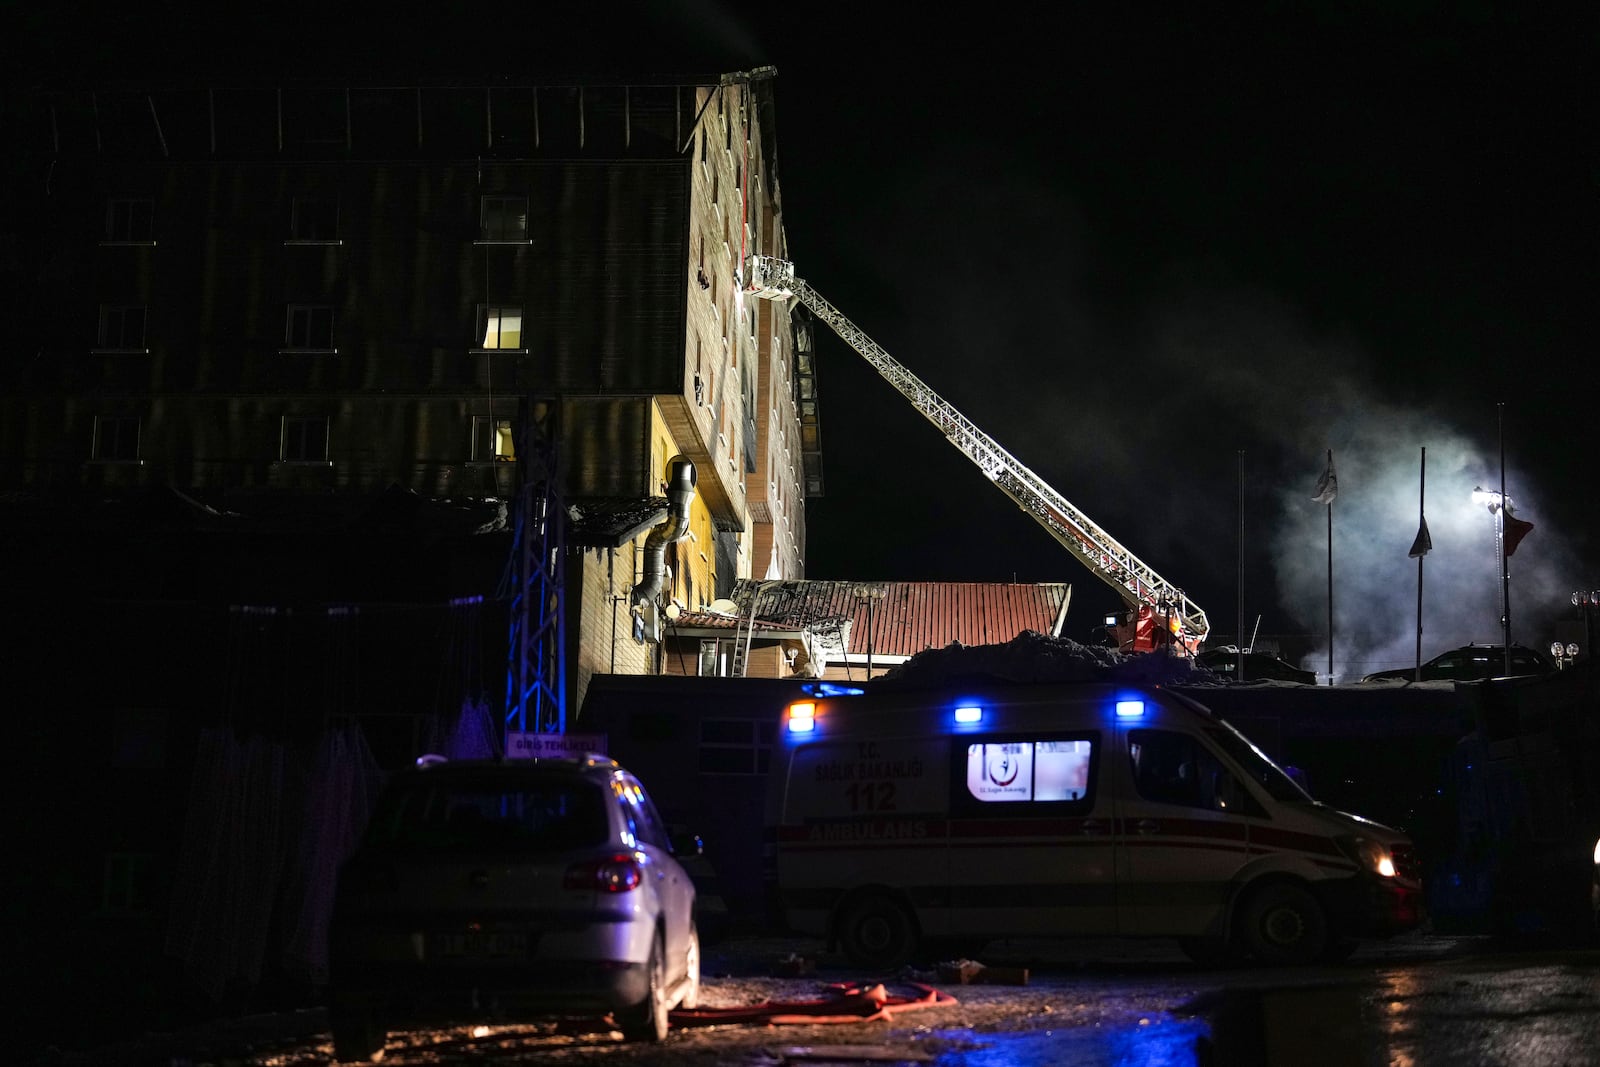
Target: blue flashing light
(1130, 709)
(830, 689)
(802, 726)
(969, 714)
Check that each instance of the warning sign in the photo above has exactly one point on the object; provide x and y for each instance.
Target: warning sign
(553, 746)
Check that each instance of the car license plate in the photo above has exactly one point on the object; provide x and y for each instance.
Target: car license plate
(481, 945)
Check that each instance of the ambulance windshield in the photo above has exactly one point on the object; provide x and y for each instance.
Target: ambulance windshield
(1257, 767)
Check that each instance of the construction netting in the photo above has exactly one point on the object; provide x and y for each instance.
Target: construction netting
(231, 865)
(339, 795)
(281, 789)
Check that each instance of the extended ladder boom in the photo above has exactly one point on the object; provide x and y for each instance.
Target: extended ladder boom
(1139, 586)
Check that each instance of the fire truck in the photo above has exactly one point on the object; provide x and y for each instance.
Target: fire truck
(1158, 614)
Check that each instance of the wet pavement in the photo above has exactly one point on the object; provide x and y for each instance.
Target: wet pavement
(1417, 1001)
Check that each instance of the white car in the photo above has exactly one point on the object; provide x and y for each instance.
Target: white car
(520, 888)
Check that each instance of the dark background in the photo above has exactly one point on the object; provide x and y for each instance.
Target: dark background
(1168, 256)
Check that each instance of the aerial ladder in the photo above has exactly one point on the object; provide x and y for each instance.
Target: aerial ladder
(1159, 615)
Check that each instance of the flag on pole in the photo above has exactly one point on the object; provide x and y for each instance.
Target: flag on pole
(1423, 544)
(1515, 530)
(1328, 484)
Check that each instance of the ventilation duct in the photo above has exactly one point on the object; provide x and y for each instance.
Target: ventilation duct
(646, 596)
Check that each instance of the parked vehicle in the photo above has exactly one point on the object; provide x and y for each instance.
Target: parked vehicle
(902, 818)
(1472, 663)
(543, 887)
(1258, 666)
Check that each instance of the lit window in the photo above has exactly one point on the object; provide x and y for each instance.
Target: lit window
(122, 328)
(315, 220)
(499, 326)
(492, 440)
(130, 221)
(1028, 771)
(116, 439)
(309, 328)
(505, 219)
(305, 440)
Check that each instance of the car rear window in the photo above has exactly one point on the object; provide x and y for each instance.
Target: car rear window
(543, 816)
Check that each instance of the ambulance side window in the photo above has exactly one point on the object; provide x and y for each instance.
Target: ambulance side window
(1024, 775)
(1175, 768)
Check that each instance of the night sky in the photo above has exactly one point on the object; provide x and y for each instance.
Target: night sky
(1155, 255)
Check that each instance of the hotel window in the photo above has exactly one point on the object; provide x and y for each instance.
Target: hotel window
(309, 328)
(314, 221)
(116, 439)
(130, 222)
(493, 440)
(305, 440)
(504, 220)
(499, 328)
(122, 328)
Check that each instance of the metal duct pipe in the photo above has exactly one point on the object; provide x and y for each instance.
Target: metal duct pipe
(681, 480)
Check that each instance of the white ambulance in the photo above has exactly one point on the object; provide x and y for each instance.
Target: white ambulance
(905, 821)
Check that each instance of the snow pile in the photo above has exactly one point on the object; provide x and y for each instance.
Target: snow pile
(1034, 657)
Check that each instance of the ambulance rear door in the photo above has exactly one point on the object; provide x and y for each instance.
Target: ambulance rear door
(1031, 847)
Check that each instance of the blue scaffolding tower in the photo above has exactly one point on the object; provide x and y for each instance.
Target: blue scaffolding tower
(536, 674)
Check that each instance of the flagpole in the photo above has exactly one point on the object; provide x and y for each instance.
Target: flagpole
(1238, 670)
(1422, 520)
(1505, 564)
(1330, 579)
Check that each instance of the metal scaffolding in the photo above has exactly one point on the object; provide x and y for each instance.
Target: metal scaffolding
(536, 674)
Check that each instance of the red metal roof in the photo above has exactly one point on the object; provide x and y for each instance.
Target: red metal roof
(911, 616)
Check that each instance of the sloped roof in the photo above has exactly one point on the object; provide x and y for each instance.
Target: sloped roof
(611, 522)
(910, 616)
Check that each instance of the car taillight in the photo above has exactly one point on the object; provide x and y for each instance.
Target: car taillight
(617, 873)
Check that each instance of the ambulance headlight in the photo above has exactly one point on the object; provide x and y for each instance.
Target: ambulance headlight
(1369, 855)
(1597, 853)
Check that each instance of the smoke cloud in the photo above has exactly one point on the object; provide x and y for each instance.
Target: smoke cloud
(1297, 392)
(1377, 452)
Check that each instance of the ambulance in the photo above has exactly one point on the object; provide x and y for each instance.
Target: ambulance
(914, 820)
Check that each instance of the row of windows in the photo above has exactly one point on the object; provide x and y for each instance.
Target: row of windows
(301, 439)
(309, 327)
(501, 220)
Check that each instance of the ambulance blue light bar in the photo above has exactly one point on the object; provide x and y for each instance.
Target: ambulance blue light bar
(969, 714)
(1130, 709)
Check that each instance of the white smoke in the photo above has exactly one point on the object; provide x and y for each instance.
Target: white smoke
(1377, 452)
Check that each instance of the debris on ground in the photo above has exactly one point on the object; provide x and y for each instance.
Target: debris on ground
(1036, 657)
(794, 966)
(848, 1002)
(971, 972)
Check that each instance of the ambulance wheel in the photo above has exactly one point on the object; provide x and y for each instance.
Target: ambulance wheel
(877, 932)
(1283, 923)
